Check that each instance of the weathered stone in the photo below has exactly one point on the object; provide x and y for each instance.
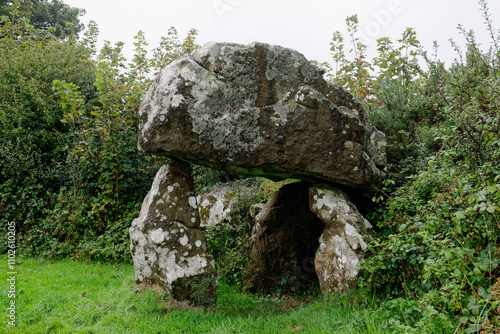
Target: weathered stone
(285, 237)
(343, 241)
(261, 110)
(219, 205)
(169, 252)
(265, 111)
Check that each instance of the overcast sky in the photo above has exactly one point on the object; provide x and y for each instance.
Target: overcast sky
(306, 26)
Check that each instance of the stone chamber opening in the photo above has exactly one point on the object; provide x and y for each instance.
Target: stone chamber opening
(284, 243)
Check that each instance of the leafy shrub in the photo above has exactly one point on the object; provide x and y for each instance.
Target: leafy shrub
(33, 143)
(70, 174)
(205, 177)
(440, 237)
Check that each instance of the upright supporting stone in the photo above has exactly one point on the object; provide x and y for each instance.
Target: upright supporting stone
(342, 243)
(168, 249)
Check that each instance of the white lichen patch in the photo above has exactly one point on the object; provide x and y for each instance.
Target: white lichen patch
(184, 240)
(336, 262)
(329, 202)
(354, 238)
(173, 268)
(192, 202)
(231, 128)
(351, 113)
(157, 236)
(147, 271)
(280, 114)
(349, 145)
(176, 100)
(217, 206)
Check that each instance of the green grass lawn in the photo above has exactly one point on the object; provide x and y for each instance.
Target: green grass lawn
(85, 297)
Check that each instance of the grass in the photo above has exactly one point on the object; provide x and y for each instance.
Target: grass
(86, 297)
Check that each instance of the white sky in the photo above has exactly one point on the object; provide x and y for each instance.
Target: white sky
(306, 26)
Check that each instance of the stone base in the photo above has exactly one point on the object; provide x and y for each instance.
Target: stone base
(342, 243)
(168, 249)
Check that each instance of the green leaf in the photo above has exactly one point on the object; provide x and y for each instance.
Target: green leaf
(474, 328)
(459, 215)
(482, 292)
(492, 189)
(492, 208)
(447, 254)
(472, 300)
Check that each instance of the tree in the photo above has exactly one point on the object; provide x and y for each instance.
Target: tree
(55, 16)
(33, 141)
(355, 74)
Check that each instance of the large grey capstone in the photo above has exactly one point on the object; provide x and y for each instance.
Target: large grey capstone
(261, 110)
(169, 251)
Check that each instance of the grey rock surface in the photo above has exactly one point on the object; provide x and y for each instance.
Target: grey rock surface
(261, 110)
(219, 205)
(344, 239)
(169, 252)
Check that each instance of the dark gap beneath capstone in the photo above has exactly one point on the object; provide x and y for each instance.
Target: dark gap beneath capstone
(285, 247)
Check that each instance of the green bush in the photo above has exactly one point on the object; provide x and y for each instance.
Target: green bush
(33, 141)
(440, 230)
(70, 174)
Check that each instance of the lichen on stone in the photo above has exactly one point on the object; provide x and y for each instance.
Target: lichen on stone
(166, 246)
